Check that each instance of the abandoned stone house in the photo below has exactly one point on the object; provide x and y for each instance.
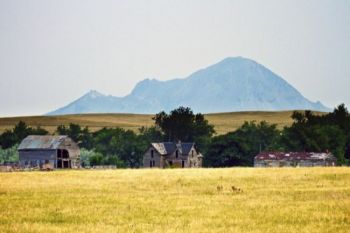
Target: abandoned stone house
(59, 151)
(171, 154)
(294, 159)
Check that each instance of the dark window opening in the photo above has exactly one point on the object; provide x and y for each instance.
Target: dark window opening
(65, 154)
(170, 163)
(66, 164)
(62, 154)
(152, 153)
(177, 154)
(59, 163)
(183, 163)
(59, 153)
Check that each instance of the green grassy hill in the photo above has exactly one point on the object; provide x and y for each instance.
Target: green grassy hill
(223, 122)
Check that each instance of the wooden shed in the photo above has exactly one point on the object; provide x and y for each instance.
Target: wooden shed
(59, 151)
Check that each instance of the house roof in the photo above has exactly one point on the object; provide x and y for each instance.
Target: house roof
(165, 148)
(293, 156)
(41, 142)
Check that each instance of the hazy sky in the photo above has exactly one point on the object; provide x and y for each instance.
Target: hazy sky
(52, 52)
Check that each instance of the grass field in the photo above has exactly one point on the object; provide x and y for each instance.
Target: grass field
(191, 200)
(223, 122)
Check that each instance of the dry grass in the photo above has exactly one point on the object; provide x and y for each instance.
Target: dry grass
(93, 121)
(190, 200)
(226, 122)
(223, 122)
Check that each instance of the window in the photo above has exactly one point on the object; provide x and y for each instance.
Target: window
(170, 163)
(177, 154)
(183, 163)
(152, 153)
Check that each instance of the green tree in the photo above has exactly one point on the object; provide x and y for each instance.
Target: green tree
(240, 147)
(320, 133)
(82, 137)
(11, 137)
(96, 159)
(9, 155)
(123, 145)
(183, 125)
(8, 139)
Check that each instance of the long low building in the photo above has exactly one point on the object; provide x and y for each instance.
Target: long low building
(294, 159)
(59, 151)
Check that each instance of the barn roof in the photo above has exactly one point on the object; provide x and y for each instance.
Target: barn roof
(41, 142)
(165, 148)
(293, 156)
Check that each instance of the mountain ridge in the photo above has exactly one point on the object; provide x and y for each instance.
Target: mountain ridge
(233, 84)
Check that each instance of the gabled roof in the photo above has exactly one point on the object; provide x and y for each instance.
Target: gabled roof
(41, 142)
(165, 148)
(293, 156)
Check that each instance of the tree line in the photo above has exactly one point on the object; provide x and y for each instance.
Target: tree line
(309, 132)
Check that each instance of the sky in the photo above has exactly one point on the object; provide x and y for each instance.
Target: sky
(53, 52)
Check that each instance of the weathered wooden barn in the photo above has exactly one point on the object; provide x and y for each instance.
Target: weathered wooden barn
(171, 154)
(294, 159)
(59, 151)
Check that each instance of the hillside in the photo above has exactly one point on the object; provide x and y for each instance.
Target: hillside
(223, 122)
(231, 85)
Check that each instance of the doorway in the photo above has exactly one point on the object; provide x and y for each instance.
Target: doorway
(63, 160)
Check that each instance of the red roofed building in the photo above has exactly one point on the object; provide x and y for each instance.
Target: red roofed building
(294, 159)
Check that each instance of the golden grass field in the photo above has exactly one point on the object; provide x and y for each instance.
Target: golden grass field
(177, 200)
(223, 122)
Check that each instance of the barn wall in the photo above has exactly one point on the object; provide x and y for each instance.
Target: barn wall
(36, 157)
(73, 149)
(37, 154)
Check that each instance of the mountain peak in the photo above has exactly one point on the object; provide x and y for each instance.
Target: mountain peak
(232, 84)
(235, 63)
(93, 94)
(236, 60)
